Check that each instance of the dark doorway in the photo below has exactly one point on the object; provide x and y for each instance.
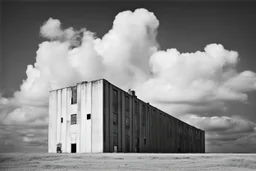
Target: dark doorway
(73, 148)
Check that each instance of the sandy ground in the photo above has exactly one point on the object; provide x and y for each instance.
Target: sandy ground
(117, 161)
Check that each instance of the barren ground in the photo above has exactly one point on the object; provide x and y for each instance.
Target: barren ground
(120, 161)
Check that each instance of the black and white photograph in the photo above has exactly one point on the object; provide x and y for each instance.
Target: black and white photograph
(126, 85)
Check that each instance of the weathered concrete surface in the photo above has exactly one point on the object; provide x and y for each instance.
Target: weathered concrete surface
(119, 120)
(150, 129)
(131, 161)
(87, 134)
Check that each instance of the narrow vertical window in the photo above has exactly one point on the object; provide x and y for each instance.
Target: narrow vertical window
(137, 115)
(136, 108)
(61, 120)
(127, 112)
(73, 95)
(115, 107)
(127, 122)
(143, 115)
(73, 119)
(115, 119)
(115, 101)
(127, 103)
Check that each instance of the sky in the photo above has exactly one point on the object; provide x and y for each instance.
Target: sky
(194, 60)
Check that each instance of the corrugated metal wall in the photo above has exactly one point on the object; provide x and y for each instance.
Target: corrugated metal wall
(131, 125)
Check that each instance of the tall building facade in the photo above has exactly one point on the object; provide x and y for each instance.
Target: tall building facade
(96, 117)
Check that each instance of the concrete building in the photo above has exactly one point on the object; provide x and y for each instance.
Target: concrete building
(96, 117)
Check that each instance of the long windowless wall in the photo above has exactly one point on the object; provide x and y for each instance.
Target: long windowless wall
(131, 125)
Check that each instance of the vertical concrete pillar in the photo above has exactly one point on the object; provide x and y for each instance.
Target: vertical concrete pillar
(80, 119)
(134, 128)
(97, 116)
(170, 134)
(130, 132)
(154, 131)
(203, 141)
(123, 129)
(150, 130)
(86, 109)
(158, 129)
(111, 129)
(68, 137)
(119, 118)
(147, 128)
(64, 116)
(81, 100)
(58, 117)
(140, 127)
(106, 116)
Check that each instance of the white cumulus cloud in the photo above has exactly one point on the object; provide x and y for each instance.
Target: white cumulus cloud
(129, 57)
(197, 77)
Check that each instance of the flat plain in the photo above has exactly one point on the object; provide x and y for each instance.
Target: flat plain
(128, 161)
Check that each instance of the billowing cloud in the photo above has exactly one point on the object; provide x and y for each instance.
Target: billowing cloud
(127, 47)
(225, 124)
(201, 77)
(51, 29)
(129, 57)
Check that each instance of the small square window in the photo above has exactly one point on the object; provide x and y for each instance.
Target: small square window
(88, 116)
(61, 120)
